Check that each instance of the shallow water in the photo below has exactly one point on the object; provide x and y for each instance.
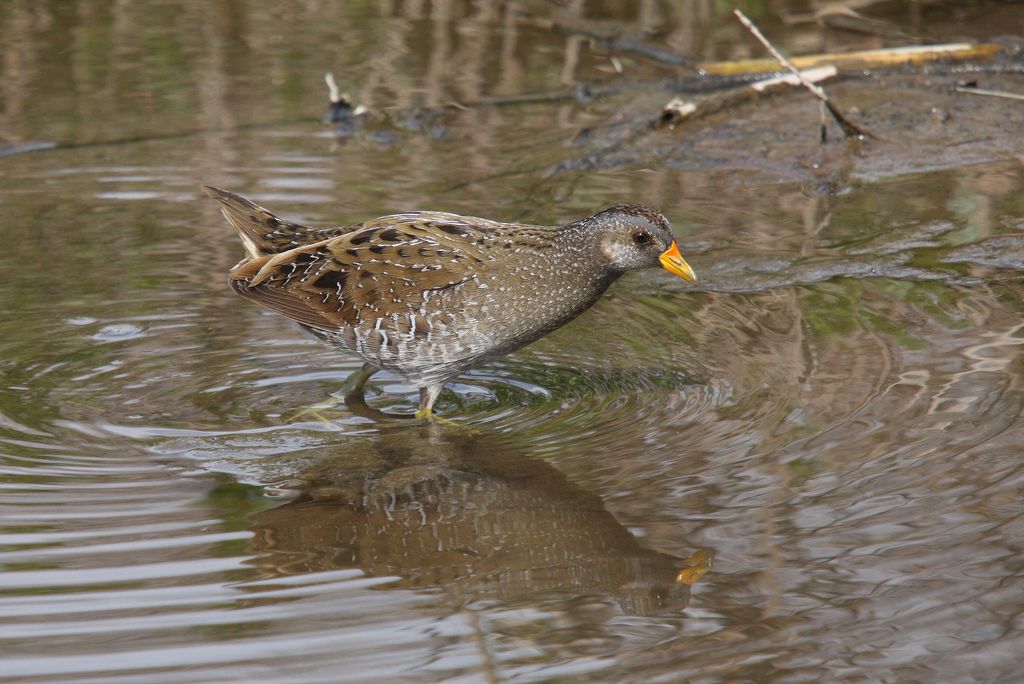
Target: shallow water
(831, 421)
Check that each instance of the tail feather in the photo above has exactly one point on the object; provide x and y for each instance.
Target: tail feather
(262, 233)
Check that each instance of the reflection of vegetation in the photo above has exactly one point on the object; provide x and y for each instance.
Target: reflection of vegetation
(801, 470)
(893, 330)
(234, 503)
(566, 382)
(935, 299)
(884, 306)
(830, 308)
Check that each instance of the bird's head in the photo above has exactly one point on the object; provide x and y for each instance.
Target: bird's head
(632, 237)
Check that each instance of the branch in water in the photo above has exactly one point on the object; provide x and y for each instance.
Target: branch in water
(850, 129)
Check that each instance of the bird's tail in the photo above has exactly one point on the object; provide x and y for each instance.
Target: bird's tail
(262, 233)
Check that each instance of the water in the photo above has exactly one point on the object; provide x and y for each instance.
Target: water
(831, 421)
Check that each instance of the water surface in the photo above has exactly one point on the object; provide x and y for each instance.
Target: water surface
(831, 422)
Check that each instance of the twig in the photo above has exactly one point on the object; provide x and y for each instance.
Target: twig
(850, 130)
(333, 91)
(813, 75)
(989, 93)
(818, 92)
(23, 148)
(678, 110)
(866, 59)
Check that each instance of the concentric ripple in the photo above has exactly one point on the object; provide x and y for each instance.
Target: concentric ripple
(807, 469)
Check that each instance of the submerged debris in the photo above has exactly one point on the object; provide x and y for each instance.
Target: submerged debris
(350, 119)
(346, 116)
(675, 111)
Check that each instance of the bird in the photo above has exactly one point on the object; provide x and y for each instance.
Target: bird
(427, 294)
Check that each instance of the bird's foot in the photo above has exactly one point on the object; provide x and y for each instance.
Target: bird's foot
(316, 411)
(428, 415)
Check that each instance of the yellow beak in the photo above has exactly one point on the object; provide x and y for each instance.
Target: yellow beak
(673, 262)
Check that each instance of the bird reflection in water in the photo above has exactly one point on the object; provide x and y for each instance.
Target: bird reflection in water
(475, 518)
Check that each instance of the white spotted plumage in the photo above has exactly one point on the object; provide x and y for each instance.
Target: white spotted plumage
(429, 294)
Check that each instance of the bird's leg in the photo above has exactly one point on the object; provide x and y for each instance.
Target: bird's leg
(351, 393)
(428, 395)
(354, 400)
(354, 384)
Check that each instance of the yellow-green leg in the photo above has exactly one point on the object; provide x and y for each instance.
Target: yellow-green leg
(351, 393)
(354, 384)
(428, 395)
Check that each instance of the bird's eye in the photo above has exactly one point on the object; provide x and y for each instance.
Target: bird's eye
(641, 238)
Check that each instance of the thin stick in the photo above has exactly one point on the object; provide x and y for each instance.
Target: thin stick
(850, 129)
(859, 59)
(333, 91)
(990, 93)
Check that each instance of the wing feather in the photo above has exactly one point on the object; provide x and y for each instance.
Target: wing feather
(404, 271)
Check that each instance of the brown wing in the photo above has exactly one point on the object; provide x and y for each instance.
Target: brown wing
(403, 270)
